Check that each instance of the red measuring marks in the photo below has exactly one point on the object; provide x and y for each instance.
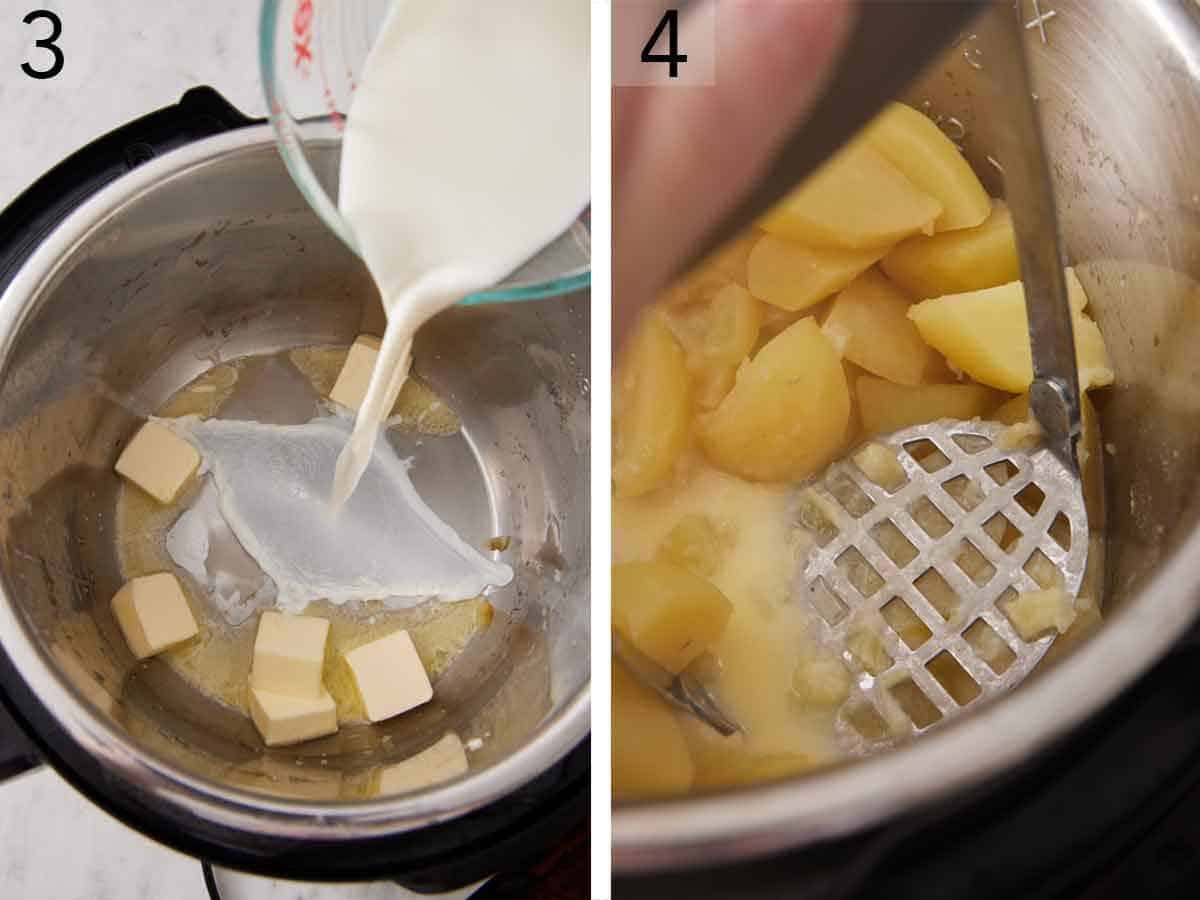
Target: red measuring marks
(302, 37)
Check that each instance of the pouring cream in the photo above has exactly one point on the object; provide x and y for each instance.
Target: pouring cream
(465, 153)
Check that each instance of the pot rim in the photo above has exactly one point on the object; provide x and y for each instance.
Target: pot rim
(833, 803)
(121, 758)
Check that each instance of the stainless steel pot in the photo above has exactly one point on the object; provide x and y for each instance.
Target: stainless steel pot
(1119, 92)
(203, 255)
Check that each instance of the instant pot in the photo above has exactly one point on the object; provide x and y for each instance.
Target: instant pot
(1039, 793)
(172, 244)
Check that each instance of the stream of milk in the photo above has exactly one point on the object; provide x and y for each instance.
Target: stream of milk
(465, 153)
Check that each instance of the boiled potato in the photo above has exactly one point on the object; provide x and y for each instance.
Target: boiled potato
(726, 264)
(736, 769)
(954, 262)
(1091, 451)
(794, 277)
(716, 337)
(695, 543)
(649, 755)
(986, 334)
(652, 405)
(873, 313)
(786, 417)
(855, 201)
(886, 407)
(733, 323)
(667, 612)
(914, 144)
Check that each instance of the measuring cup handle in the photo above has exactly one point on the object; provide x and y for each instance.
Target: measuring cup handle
(200, 113)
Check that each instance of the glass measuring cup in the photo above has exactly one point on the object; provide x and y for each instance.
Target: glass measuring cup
(310, 54)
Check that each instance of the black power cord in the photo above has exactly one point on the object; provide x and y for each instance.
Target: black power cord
(210, 880)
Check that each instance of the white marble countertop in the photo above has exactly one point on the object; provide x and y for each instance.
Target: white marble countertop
(123, 58)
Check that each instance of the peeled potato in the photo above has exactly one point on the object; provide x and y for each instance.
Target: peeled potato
(716, 337)
(786, 416)
(652, 407)
(855, 201)
(1090, 451)
(954, 262)
(667, 612)
(873, 314)
(733, 323)
(986, 334)
(886, 407)
(726, 264)
(649, 755)
(914, 144)
(794, 277)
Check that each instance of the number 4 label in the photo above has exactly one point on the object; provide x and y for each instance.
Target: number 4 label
(670, 24)
(668, 45)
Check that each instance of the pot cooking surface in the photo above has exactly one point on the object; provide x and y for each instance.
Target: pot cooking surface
(209, 258)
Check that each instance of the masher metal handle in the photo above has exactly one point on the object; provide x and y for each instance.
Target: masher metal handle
(1054, 393)
(683, 691)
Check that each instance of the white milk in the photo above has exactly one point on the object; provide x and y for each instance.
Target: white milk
(465, 153)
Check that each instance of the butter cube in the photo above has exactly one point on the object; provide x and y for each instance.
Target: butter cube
(389, 676)
(289, 653)
(158, 461)
(153, 614)
(282, 719)
(444, 760)
(350, 389)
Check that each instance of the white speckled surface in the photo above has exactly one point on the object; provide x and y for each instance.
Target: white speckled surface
(123, 58)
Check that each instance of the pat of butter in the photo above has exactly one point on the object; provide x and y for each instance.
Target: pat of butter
(389, 676)
(158, 461)
(289, 653)
(444, 760)
(282, 719)
(153, 614)
(350, 389)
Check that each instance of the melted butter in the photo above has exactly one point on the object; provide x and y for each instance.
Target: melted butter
(217, 662)
(768, 633)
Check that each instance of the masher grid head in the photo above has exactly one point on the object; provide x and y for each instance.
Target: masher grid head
(968, 450)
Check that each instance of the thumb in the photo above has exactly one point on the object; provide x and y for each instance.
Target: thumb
(682, 156)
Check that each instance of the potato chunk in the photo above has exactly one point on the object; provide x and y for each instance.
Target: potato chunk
(716, 337)
(786, 416)
(986, 334)
(652, 407)
(886, 407)
(794, 277)
(649, 754)
(915, 145)
(855, 201)
(695, 543)
(668, 613)
(724, 265)
(1090, 451)
(954, 262)
(881, 338)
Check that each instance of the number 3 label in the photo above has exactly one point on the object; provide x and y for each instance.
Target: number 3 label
(46, 43)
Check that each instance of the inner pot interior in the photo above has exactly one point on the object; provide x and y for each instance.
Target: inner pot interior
(222, 259)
